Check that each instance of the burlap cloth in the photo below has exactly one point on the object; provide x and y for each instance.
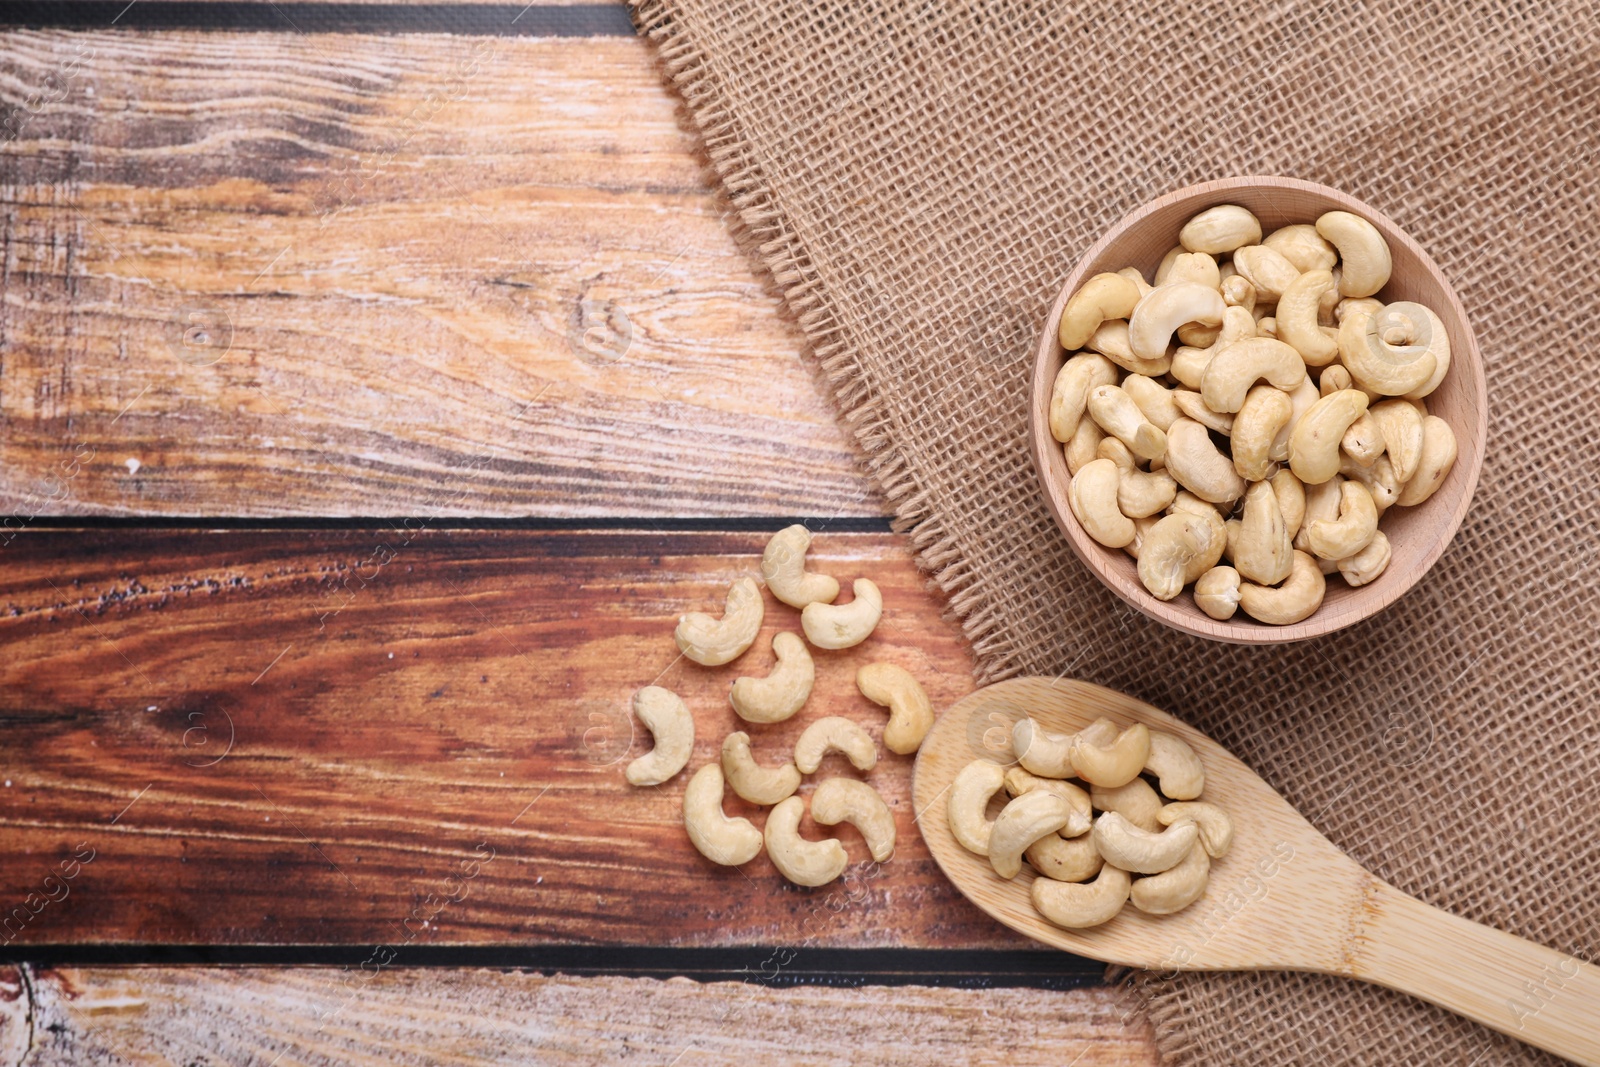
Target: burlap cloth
(919, 182)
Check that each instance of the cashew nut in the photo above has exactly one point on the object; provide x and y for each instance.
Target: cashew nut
(1164, 268)
(1216, 593)
(1214, 542)
(783, 568)
(838, 800)
(750, 780)
(1300, 400)
(1189, 363)
(1117, 414)
(1400, 426)
(1302, 246)
(1298, 321)
(1379, 479)
(1351, 305)
(1216, 828)
(1105, 296)
(1333, 379)
(1266, 411)
(1176, 888)
(1140, 494)
(1162, 310)
(1022, 822)
(1136, 276)
(1363, 441)
(669, 722)
(838, 734)
(1194, 408)
(1040, 751)
(1220, 229)
(1366, 565)
(1065, 860)
(1194, 267)
(1267, 326)
(910, 711)
(1438, 454)
(1092, 495)
(1299, 595)
(711, 641)
(1267, 270)
(836, 626)
(1328, 305)
(783, 691)
(1111, 341)
(1153, 398)
(720, 838)
(1291, 500)
(1070, 395)
(1136, 802)
(1238, 292)
(1231, 372)
(1263, 551)
(1395, 351)
(1176, 767)
(1138, 851)
(1078, 905)
(970, 793)
(1019, 781)
(1363, 254)
(1083, 446)
(1198, 465)
(802, 861)
(1314, 441)
(1167, 551)
(1322, 502)
(1113, 764)
(1351, 531)
(1440, 347)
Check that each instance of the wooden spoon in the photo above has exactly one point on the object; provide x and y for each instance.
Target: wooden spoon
(1283, 898)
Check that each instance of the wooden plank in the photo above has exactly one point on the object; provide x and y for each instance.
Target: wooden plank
(263, 274)
(305, 1016)
(428, 733)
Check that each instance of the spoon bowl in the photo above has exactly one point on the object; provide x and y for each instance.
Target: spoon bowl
(1283, 898)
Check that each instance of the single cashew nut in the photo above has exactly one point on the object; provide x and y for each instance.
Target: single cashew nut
(1111, 341)
(1162, 310)
(1267, 270)
(1351, 531)
(1216, 828)
(1379, 479)
(1189, 363)
(1231, 372)
(1400, 426)
(1040, 751)
(1220, 229)
(1019, 781)
(1199, 466)
(1063, 859)
(1291, 500)
(1314, 441)
(1298, 318)
(1140, 494)
(1395, 351)
(1168, 550)
(1192, 407)
(1175, 765)
(1176, 888)
(1363, 441)
(1137, 802)
(1302, 246)
(1238, 292)
(783, 568)
(1214, 542)
(1299, 595)
(1084, 445)
(838, 734)
(1322, 502)
(1300, 400)
(1139, 851)
(838, 800)
(711, 641)
(1105, 296)
(1267, 325)
(719, 837)
(1117, 414)
(835, 626)
(802, 861)
(1077, 906)
(1265, 412)
(910, 711)
(1092, 496)
(1364, 261)
(1366, 565)
(669, 722)
(783, 691)
(1153, 398)
(1263, 551)
(1438, 455)
(750, 780)
(1216, 592)
(1114, 764)
(1022, 822)
(1194, 267)
(970, 793)
(1070, 395)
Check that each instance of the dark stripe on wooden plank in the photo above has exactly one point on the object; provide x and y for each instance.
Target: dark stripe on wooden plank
(14, 524)
(269, 16)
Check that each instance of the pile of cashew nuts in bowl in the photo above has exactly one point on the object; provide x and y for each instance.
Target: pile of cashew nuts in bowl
(1255, 455)
(1087, 864)
(780, 695)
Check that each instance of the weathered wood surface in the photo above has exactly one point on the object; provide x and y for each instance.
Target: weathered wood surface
(287, 274)
(310, 1016)
(401, 707)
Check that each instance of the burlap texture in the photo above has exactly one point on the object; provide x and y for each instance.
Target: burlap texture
(919, 182)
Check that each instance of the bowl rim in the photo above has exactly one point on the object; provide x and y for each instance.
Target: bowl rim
(1045, 449)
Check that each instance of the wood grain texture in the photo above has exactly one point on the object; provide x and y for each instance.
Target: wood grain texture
(308, 1016)
(264, 274)
(400, 707)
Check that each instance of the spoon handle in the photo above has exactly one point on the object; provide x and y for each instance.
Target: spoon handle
(1548, 999)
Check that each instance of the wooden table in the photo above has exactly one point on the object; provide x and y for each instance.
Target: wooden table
(379, 384)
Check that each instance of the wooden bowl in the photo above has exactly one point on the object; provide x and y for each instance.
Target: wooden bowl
(1417, 535)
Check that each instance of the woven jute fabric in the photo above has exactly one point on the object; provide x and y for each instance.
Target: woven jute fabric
(920, 180)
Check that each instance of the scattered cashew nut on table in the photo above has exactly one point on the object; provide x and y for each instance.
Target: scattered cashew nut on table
(837, 800)
(783, 691)
(750, 780)
(836, 626)
(834, 733)
(799, 859)
(667, 717)
(711, 641)
(783, 568)
(910, 710)
(721, 838)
